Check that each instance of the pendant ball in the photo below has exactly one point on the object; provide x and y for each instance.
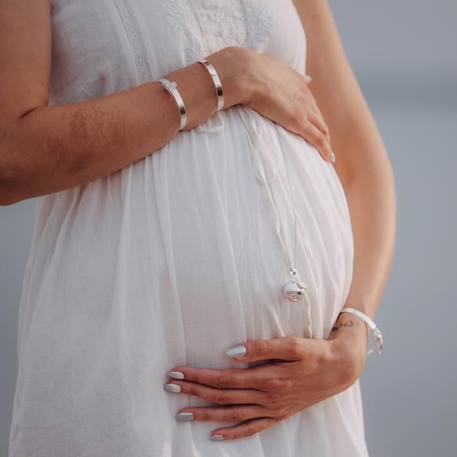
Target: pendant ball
(293, 291)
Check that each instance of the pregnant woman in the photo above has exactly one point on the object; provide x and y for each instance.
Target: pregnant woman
(196, 239)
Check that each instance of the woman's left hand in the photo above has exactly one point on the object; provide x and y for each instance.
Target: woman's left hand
(299, 372)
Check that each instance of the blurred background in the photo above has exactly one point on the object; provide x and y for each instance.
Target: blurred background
(404, 55)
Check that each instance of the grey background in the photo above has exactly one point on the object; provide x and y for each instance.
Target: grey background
(403, 53)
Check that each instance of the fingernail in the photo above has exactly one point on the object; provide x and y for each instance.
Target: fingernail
(308, 78)
(176, 374)
(172, 388)
(185, 416)
(217, 437)
(333, 157)
(236, 351)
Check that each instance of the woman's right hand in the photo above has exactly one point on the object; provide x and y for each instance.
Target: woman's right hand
(280, 93)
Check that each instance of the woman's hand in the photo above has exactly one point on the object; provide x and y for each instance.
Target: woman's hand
(282, 94)
(298, 373)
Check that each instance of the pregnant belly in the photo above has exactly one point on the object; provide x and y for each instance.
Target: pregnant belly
(230, 199)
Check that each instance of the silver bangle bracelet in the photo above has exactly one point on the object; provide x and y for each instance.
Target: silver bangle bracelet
(172, 89)
(374, 330)
(217, 82)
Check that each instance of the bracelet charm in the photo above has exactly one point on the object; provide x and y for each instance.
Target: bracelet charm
(172, 89)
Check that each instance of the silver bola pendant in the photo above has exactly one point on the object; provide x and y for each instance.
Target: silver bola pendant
(294, 289)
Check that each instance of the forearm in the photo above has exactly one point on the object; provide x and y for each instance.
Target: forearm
(372, 204)
(56, 147)
(366, 174)
(370, 193)
(362, 161)
(368, 180)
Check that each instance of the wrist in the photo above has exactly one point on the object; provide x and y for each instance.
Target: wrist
(349, 343)
(350, 328)
(232, 64)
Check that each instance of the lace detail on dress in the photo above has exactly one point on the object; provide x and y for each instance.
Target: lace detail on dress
(136, 41)
(210, 25)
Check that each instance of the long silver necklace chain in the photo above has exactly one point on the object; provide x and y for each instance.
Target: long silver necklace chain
(294, 289)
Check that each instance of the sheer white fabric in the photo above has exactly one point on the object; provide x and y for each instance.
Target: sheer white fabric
(177, 257)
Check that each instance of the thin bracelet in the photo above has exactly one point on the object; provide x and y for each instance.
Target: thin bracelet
(172, 89)
(376, 333)
(217, 82)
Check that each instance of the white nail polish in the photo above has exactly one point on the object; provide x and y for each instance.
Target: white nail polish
(175, 374)
(217, 437)
(236, 351)
(172, 388)
(333, 157)
(185, 416)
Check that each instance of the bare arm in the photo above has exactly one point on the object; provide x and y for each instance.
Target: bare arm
(45, 149)
(362, 160)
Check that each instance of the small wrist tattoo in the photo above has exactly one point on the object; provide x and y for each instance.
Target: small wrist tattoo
(347, 323)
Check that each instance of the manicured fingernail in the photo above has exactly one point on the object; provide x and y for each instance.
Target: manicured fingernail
(333, 157)
(236, 351)
(172, 388)
(185, 416)
(176, 374)
(217, 437)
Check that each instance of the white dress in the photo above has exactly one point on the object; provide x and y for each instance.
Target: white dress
(176, 257)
